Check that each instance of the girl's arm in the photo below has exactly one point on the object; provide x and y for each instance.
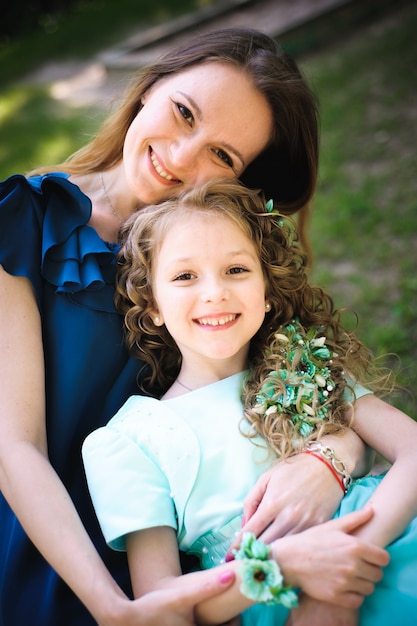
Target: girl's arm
(301, 491)
(394, 435)
(36, 494)
(326, 561)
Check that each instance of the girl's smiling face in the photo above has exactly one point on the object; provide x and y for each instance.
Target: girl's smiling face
(209, 290)
(208, 121)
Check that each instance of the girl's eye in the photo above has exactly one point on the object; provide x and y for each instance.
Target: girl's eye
(185, 112)
(237, 270)
(223, 156)
(184, 276)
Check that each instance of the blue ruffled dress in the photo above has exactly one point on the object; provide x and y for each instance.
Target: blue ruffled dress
(89, 374)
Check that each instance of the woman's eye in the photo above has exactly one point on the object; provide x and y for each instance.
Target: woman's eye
(185, 112)
(223, 156)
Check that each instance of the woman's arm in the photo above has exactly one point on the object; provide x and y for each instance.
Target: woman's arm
(339, 568)
(301, 491)
(36, 494)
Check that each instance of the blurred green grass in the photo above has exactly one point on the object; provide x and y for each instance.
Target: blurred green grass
(364, 227)
(365, 212)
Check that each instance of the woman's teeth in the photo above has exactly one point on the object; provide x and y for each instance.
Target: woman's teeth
(159, 169)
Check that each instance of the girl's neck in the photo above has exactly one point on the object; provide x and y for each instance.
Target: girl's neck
(187, 380)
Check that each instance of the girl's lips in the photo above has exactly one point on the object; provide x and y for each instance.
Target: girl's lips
(163, 174)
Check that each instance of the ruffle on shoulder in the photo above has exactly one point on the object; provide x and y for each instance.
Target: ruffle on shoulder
(44, 224)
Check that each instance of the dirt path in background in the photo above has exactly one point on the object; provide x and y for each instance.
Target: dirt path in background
(98, 82)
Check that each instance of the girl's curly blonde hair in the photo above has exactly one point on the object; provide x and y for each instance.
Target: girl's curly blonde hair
(288, 291)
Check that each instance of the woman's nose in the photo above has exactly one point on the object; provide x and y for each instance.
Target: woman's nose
(184, 153)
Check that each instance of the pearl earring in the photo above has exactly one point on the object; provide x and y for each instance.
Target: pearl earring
(157, 320)
(267, 307)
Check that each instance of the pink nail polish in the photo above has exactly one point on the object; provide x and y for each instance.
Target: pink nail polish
(226, 576)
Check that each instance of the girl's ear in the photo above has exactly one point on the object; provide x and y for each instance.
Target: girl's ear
(157, 319)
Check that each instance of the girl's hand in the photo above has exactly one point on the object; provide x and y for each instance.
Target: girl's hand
(313, 612)
(330, 564)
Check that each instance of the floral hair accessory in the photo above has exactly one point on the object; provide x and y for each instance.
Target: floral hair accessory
(262, 580)
(302, 387)
(269, 207)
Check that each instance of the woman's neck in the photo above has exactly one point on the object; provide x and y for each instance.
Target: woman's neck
(106, 214)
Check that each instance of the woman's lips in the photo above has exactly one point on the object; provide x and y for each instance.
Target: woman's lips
(161, 171)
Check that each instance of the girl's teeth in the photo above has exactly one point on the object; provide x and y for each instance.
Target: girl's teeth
(217, 322)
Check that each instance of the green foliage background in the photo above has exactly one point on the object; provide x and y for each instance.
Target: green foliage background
(365, 212)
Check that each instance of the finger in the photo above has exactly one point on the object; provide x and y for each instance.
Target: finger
(352, 521)
(254, 498)
(355, 591)
(350, 600)
(361, 587)
(370, 572)
(200, 590)
(374, 555)
(287, 523)
(255, 525)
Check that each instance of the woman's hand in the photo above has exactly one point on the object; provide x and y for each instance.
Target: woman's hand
(311, 612)
(171, 606)
(294, 495)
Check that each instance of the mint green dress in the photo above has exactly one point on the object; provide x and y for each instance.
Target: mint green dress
(184, 463)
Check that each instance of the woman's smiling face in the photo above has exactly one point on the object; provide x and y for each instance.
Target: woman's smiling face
(205, 122)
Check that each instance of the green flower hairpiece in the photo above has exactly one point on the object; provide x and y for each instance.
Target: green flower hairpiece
(262, 580)
(269, 207)
(301, 388)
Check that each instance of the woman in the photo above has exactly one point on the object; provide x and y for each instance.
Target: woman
(228, 104)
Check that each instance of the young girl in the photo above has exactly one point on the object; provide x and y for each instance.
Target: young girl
(217, 303)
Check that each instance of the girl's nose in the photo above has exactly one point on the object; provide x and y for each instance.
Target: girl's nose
(214, 292)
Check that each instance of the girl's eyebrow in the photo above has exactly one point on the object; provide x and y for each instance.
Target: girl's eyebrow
(199, 114)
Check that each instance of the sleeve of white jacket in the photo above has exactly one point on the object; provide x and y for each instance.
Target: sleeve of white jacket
(128, 489)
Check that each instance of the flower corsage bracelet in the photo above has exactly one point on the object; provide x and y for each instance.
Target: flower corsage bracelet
(262, 580)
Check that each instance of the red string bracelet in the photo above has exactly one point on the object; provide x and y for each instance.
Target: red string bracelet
(330, 466)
